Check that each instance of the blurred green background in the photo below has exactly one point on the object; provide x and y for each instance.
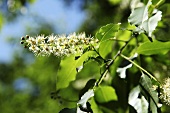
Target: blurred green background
(26, 81)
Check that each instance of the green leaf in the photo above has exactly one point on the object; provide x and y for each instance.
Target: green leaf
(107, 32)
(105, 94)
(96, 108)
(153, 107)
(155, 47)
(68, 72)
(146, 85)
(104, 34)
(105, 48)
(88, 86)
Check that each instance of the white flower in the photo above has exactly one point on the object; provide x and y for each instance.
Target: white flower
(59, 45)
(51, 39)
(165, 91)
(40, 39)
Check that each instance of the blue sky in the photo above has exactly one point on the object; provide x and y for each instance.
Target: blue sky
(64, 19)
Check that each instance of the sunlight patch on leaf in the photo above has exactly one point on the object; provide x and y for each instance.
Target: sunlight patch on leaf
(150, 24)
(140, 104)
(126, 64)
(122, 71)
(139, 15)
(140, 18)
(84, 99)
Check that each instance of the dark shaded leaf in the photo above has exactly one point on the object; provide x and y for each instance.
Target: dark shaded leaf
(147, 86)
(68, 110)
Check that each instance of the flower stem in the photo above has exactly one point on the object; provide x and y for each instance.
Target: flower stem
(159, 3)
(111, 62)
(151, 76)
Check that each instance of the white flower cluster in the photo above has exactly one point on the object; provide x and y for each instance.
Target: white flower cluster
(165, 91)
(59, 45)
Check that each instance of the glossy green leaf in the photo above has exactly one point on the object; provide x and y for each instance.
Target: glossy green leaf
(105, 94)
(155, 47)
(107, 32)
(147, 85)
(104, 34)
(105, 48)
(68, 72)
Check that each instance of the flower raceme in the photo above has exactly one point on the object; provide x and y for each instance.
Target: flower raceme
(58, 45)
(165, 91)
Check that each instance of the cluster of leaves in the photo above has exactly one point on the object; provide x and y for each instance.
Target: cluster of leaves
(113, 93)
(104, 90)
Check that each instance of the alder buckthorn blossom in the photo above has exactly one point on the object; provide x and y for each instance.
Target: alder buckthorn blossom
(58, 45)
(165, 91)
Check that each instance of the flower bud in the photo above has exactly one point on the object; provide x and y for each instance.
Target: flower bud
(21, 42)
(22, 38)
(27, 36)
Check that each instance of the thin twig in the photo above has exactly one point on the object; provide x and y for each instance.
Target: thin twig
(119, 52)
(159, 3)
(111, 62)
(151, 76)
